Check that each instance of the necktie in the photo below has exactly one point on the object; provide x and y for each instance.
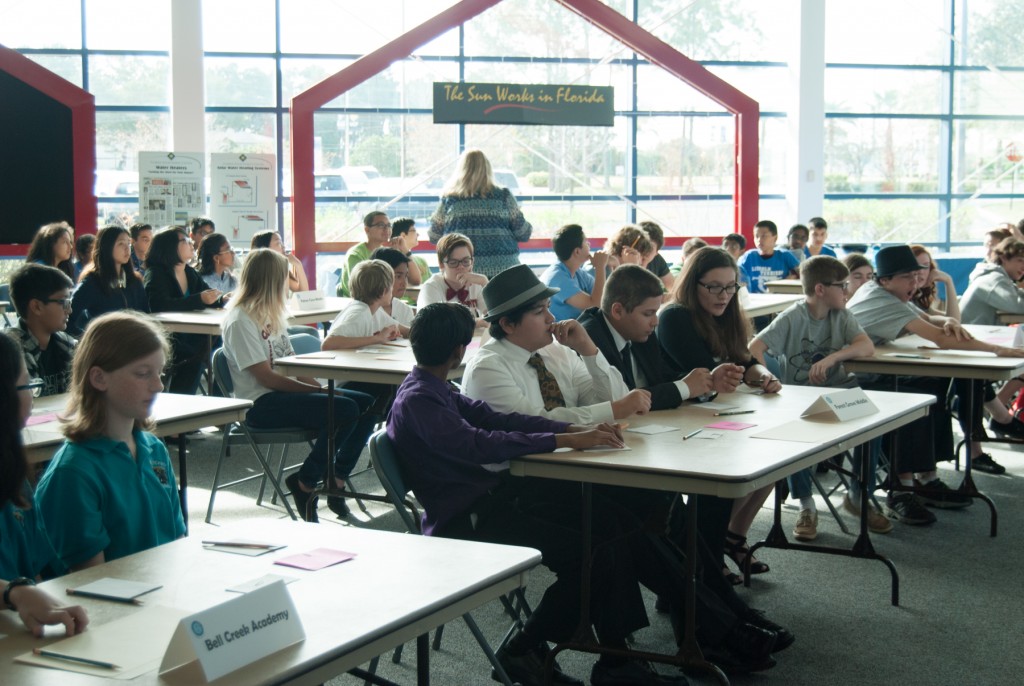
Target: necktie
(549, 390)
(627, 367)
(462, 294)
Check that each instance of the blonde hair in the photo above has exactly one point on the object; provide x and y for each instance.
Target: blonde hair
(370, 280)
(473, 176)
(111, 342)
(262, 289)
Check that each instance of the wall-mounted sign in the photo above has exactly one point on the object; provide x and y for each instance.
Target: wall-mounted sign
(523, 103)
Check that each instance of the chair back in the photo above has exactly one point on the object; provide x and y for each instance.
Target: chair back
(305, 343)
(222, 373)
(389, 470)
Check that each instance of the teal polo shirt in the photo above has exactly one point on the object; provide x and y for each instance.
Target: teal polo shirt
(24, 547)
(94, 497)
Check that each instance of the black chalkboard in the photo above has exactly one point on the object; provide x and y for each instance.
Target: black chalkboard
(36, 161)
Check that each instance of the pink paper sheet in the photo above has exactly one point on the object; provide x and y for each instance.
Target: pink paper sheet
(729, 426)
(315, 559)
(41, 418)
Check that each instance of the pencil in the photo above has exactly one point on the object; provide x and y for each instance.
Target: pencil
(727, 414)
(72, 658)
(100, 596)
(692, 434)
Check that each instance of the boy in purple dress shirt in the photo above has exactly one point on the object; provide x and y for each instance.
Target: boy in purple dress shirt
(455, 453)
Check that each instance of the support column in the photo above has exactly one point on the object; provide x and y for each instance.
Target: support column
(805, 182)
(188, 125)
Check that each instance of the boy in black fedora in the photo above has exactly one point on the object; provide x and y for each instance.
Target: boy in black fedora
(883, 309)
(534, 365)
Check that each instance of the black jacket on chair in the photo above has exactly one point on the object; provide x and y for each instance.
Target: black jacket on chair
(647, 355)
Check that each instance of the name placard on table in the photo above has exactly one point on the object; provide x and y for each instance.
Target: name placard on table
(842, 405)
(235, 633)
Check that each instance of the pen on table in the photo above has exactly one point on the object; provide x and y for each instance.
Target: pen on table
(910, 356)
(727, 414)
(692, 434)
(86, 594)
(72, 658)
(239, 544)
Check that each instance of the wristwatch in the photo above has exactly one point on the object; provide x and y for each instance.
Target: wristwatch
(12, 584)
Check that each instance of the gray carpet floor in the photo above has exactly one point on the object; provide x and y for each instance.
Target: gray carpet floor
(959, 621)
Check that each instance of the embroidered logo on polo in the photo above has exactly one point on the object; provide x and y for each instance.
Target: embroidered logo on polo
(160, 472)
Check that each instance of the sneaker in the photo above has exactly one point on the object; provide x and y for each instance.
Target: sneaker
(302, 500)
(938, 494)
(1012, 429)
(631, 673)
(878, 523)
(909, 509)
(806, 528)
(985, 463)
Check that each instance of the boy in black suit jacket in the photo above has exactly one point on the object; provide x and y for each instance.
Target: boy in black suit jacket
(624, 327)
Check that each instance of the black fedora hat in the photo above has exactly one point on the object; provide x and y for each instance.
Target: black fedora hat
(895, 259)
(511, 288)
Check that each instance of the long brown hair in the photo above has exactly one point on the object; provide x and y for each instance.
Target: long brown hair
(925, 295)
(111, 341)
(726, 336)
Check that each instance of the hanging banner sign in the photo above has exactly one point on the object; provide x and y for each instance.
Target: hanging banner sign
(522, 103)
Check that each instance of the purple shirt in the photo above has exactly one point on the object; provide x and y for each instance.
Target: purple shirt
(445, 439)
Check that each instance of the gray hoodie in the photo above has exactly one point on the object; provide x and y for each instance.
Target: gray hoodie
(991, 291)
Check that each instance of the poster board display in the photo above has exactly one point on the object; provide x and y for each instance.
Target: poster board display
(171, 187)
(243, 194)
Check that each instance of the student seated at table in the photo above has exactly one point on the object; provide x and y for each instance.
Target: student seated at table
(199, 229)
(109, 283)
(455, 453)
(173, 286)
(734, 244)
(628, 245)
(796, 241)
(25, 549)
(110, 490)
(403, 230)
(811, 340)
(378, 233)
(704, 327)
(764, 263)
(83, 254)
(819, 234)
(883, 310)
(216, 259)
(363, 321)
(578, 289)
(42, 299)
(297, 281)
(658, 265)
(53, 246)
(690, 246)
(402, 266)
(255, 334)
(927, 293)
(523, 370)
(456, 281)
(861, 272)
(142, 237)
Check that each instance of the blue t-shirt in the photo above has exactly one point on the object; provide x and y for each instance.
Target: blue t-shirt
(557, 276)
(757, 270)
(95, 497)
(825, 250)
(24, 546)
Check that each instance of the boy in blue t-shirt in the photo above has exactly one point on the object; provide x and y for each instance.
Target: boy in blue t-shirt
(811, 340)
(764, 263)
(577, 290)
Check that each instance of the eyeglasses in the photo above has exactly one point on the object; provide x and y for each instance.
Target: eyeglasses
(845, 285)
(464, 262)
(714, 289)
(35, 385)
(185, 240)
(63, 302)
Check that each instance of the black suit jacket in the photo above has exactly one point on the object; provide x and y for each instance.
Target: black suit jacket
(647, 355)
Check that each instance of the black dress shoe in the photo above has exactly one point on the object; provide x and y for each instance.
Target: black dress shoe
(528, 669)
(749, 642)
(337, 505)
(783, 636)
(302, 500)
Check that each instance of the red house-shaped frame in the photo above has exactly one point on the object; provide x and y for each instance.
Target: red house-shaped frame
(83, 134)
(656, 51)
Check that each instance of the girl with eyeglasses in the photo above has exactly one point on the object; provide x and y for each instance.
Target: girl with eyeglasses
(109, 283)
(456, 282)
(216, 258)
(705, 327)
(110, 489)
(26, 549)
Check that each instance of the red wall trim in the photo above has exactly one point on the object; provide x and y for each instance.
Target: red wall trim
(600, 15)
(83, 126)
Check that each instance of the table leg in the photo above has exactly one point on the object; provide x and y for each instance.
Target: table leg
(862, 547)
(967, 486)
(183, 477)
(423, 660)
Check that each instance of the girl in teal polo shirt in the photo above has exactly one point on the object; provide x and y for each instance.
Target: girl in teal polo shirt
(110, 490)
(25, 549)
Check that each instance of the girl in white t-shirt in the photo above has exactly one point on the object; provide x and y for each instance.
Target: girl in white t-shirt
(255, 334)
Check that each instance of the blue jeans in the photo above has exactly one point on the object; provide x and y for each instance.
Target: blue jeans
(352, 425)
(800, 483)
